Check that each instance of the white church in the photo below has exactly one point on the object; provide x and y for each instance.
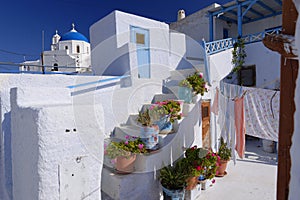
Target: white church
(70, 52)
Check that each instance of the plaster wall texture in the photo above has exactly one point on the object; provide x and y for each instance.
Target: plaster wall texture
(112, 50)
(42, 147)
(262, 25)
(294, 186)
(119, 101)
(266, 61)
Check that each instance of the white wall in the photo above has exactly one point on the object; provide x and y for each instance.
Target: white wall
(195, 25)
(267, 64)
(262, 25)
(48, 161)
(294, 186)
(119, 102)
(114, 54)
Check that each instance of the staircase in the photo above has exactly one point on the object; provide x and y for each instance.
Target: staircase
(143, 183)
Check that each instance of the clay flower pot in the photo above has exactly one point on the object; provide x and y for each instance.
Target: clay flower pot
(191, 183)
(125, 164)
(221, 169)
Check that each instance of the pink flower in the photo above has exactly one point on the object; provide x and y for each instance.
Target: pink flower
(152, 107)
(218, 158)
(126, 142)
(201, 75)
(140, 146)
(198, 168)
(213, 181)
(127, 137)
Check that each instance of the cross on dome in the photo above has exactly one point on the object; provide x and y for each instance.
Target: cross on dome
(73, 28)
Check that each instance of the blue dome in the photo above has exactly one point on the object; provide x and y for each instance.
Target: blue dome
(73, 35)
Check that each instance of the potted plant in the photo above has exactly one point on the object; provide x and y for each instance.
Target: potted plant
(149, 130)
(204, 165)
(165, 113)
(238, 54)
(199, 85)
(173, 180)
(185, 91)
(224, 153)
(124, 152)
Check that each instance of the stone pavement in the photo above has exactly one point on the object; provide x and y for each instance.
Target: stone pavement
(254, 177)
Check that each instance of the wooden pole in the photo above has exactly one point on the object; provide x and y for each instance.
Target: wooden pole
(289, 72)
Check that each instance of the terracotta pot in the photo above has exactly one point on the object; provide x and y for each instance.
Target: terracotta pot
(191, 183)
(125, 164)
(221, 168)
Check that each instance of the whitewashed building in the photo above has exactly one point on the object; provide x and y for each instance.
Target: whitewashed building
(70, 52)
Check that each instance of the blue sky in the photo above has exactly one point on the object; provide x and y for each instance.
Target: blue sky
(22, 21)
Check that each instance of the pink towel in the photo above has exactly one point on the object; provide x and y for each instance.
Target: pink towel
(215, 106)
(239, 126)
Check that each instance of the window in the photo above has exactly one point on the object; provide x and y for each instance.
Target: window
(66, 47)
(247, 76)
(55, 68)
(78, 49)
(140, 38)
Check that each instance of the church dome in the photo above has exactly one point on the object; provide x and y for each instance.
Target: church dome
(73, 35)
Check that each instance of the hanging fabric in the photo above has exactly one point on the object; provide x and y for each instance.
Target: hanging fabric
(215, 105)
(239, 126)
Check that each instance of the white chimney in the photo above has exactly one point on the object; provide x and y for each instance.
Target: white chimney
(181, 15)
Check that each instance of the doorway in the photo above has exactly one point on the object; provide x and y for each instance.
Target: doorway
(206, 140)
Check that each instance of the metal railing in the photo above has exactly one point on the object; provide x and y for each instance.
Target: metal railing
(224, 44)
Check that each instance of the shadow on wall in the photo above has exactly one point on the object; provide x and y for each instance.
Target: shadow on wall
(7, 154)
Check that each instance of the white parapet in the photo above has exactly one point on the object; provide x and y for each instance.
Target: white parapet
(57, 146)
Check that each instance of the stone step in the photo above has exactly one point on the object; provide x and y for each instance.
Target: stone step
(163, 97)
(130, 186)
(181, 74)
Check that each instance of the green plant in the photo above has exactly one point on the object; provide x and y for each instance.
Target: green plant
(238, 54)
(168, 107)
(144, 118)
(203, 162)
(174, 177)
(126, 147)
(196, 82)
(224, 152)
(185, 83)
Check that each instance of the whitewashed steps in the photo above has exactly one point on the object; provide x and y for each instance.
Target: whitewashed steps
(163, 97)
(181, 74)
(130, 186)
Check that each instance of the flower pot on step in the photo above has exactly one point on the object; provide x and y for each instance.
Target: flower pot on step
(221, 169)
(149, 135)
(191, 183)
(125, 164)
(185, 94)
(173, 194)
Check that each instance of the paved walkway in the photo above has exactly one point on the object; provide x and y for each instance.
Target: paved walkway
(254, 177)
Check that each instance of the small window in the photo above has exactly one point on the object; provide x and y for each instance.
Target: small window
(247, 76)
(55, 68)
(140, 38)
(78, 49)
(66, 47)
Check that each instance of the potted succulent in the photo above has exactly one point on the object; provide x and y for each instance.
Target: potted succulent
(224, 154)
(173, 179)
(124, 152)
(149, 130)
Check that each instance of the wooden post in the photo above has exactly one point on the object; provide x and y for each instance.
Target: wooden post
(289, 72)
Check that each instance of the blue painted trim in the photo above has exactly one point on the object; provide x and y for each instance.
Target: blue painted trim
(95, 82)
(211, 27)
(206, 67)
(240, 20)
(254, 11)
(266, 7)
(247, 9)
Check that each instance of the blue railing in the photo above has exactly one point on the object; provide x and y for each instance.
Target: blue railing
(221, 45)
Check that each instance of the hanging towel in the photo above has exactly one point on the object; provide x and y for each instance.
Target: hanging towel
(239, 126)
(215, 106)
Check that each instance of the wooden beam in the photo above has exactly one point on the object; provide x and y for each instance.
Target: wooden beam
(289, 72)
